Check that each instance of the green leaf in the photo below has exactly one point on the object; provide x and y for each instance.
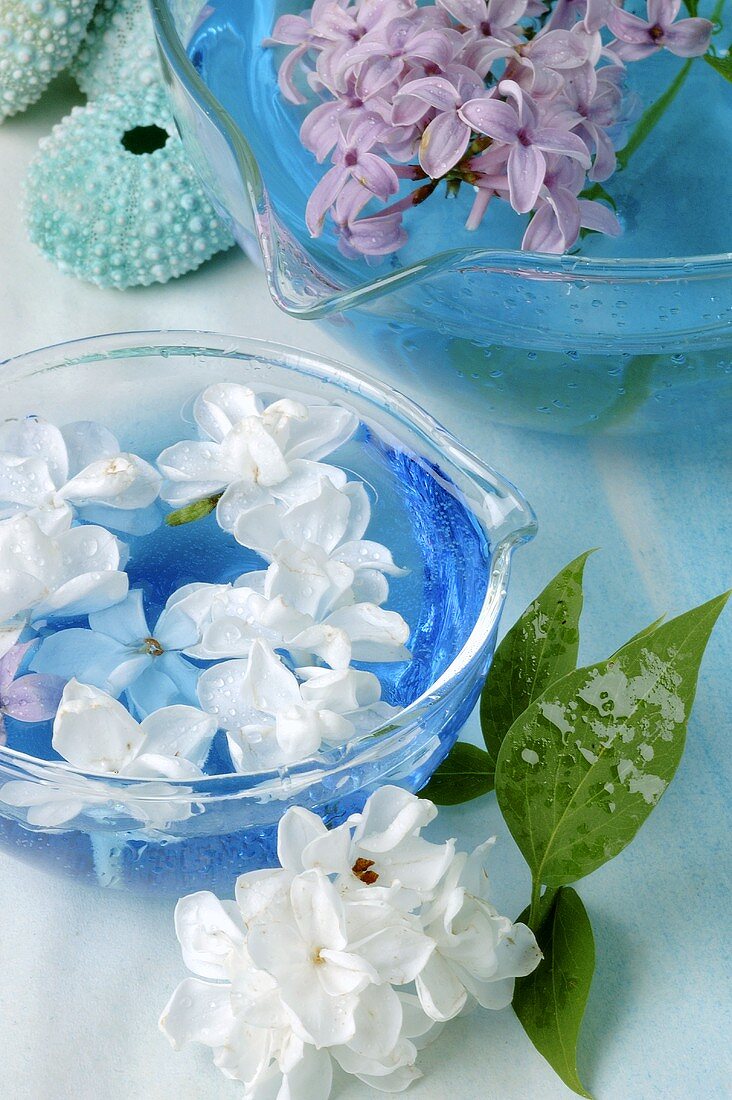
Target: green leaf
(550, 1002)
(723, 65)
(467, 773)
(692, 6)
(198, 510)
(580, 771)
(540, 648)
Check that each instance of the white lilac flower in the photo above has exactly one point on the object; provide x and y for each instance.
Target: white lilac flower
(245, 443)
(272, 719)
(54, 474)
(239, 1011)
(76, 572)
(298, 970)
(96, 734)
(312, 605)
(380, 850)
(334, 519)
(479, 953)
(121, 653)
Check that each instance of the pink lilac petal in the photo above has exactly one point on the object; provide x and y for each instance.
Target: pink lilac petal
(526, 169)
(593, 215)
(493, 118)
(325, 194)
(662, 12)
(9, 666)
(286, 76)
(561, 141)
(478, 209)
(379, 235)
(435, 91)
(543, 233)
(629, 28)
(688, 37)
(289, 30)
(34, 698)
(321, 129)
(443, 144)
(557, 50)
(467, 12)
(377, 175)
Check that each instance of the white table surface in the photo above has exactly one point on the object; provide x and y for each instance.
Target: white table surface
(85, 973)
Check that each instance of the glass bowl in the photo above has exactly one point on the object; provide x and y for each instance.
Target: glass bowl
(460, 522)
(576, 343)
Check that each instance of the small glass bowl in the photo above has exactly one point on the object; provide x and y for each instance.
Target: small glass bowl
(228, 823)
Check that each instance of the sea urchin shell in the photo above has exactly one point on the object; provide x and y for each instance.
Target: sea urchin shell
(111, 197)
(118, 53)
(38, 38)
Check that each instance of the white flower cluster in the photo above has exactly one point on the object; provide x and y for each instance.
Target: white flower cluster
(356, 950)
(277, 643)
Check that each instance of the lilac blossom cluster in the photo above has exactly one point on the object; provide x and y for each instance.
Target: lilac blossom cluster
(520, 100)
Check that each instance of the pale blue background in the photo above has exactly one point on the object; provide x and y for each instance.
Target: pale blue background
(84, 974)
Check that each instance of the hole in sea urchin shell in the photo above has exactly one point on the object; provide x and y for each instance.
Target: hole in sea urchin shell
(144, 139)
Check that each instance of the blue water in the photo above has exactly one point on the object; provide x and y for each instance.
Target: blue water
(684, 163)
(431, 532)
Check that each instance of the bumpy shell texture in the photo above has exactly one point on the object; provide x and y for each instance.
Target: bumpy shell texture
(111, 198)
(38, 38)
(118, 53)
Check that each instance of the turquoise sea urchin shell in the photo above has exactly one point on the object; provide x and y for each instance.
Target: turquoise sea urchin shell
(118, 53)
(38, 38)
(111, 197)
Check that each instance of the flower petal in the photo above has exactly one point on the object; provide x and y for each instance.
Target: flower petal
(526, 169)
(443, 144)
(93, 731)
(209, 931)
(179, 731)
(34, 698)
(223, 405)
(441, 993)
(34, 437)
(198, 1012)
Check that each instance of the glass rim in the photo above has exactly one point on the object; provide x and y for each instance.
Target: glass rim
(483, 480)
(507, 262)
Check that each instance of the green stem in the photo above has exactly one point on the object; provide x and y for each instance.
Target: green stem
(650, 118)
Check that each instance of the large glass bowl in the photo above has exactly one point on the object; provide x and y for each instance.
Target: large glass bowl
(568, 343)
(137, 385)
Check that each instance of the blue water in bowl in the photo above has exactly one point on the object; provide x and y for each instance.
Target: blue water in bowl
(432, 533)
(582, 355)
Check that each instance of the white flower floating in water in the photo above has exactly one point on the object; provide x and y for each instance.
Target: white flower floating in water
(246, 444)
(120, 653)
(279, 640)
(76, 572)
(326, 959)
(96, 734)
(272, 719)
(54, 474)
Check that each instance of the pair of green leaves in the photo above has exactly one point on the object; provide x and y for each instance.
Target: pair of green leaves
(579, 758)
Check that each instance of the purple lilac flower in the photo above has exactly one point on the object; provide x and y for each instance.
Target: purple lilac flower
(353, 160)
(471, 92)
(446, 138)
(639, 38)
(560, 213)
(519, 126)
(30, 698)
